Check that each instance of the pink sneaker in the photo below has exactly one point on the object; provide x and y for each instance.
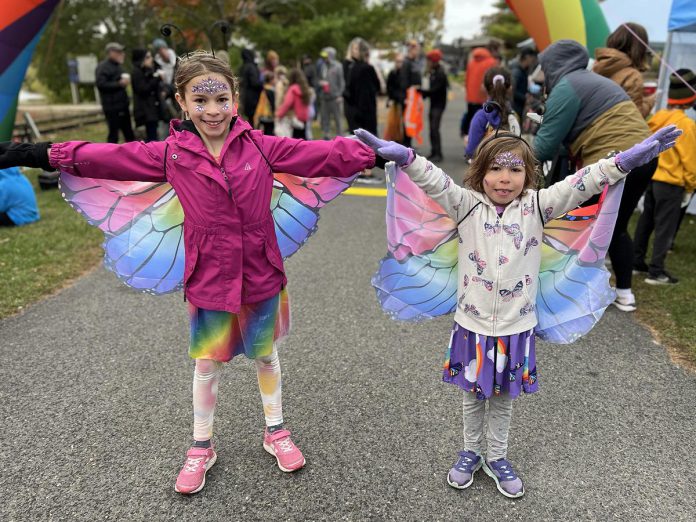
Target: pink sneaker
(280, 445)
(191, 478)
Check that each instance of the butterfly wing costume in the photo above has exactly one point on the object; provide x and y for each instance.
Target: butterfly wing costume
(143, 222)
(417, 279)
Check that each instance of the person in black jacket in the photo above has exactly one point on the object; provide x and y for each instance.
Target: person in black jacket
(438, 101)
(111, 83)
(250, 85)
(409, 75)
(521, 69)
(147, 93)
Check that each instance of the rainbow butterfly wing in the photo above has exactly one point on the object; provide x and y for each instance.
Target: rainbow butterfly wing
(143, 223)
(143, 229)
(295, 205)
(574, 285)
(417, 279)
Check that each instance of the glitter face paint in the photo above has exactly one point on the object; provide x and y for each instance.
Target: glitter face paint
(508, 160)
(209, 86)
(225, 107)
(199, 108)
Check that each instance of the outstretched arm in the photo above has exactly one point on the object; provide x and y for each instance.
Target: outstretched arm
(34, 155)
(578, 188)
(338, 158)
(132, 161)
(455, 200)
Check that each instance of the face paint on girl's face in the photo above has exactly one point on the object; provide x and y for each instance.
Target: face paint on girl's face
(505, 178)
(210, 104)
(209, 86)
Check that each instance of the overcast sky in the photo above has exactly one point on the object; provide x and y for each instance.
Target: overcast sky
(463, 17)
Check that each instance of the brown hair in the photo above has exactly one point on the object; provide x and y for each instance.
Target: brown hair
(489, 149)
(198, 63)
(499, 91)
(297, 76)
(623, 40)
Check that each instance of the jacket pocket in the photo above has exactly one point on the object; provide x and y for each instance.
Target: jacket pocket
(190, 263)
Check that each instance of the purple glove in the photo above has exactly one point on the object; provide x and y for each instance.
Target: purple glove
(389, 150)
(647, 149)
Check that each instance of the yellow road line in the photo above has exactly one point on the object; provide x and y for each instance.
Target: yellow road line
(366, 191)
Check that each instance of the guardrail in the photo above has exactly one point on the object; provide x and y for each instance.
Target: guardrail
(32, 130)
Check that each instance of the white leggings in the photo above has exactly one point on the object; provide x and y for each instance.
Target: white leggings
(206, 378)
(499, 416)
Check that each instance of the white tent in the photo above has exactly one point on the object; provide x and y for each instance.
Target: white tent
(680, 49)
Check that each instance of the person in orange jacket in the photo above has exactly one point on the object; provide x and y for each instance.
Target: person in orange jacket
(480, 61)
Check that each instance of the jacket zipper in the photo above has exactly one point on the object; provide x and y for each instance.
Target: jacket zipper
(227, 181)
(497, 272)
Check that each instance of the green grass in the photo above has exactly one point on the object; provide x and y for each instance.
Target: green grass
(669, 311)
(38, 259)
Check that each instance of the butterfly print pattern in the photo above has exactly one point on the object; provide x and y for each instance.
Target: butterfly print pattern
(577, 180)
(514, 231)
(471, 309)
(502, 260)
(488, 285)
(507, 295)
(532, 242)
(527, 209)
(527, 309)
(491, 230)
(480, 263)
(528, 280)
(548, 212)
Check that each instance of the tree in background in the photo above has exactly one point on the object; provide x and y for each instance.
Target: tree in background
(291, 27)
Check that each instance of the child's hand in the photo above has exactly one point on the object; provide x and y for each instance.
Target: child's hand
(647, 149)
(389, 150)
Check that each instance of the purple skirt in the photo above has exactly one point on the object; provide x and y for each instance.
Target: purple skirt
(491, 365)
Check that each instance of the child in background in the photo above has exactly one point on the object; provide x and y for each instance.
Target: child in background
(234, 280)
(672, 184)
(496, 112)
(500, 218)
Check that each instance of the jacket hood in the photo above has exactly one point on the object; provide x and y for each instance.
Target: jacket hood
(248, 56)
(610, 61)
(560, 58)
(481, 53)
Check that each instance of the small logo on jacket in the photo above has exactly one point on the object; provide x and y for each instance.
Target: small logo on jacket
(247, 166)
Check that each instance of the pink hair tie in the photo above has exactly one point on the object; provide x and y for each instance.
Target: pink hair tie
(498, 78)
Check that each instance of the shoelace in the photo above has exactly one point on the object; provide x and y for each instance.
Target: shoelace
(285, 445)
(192, 464)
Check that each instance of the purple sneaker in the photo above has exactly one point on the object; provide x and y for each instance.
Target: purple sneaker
(508, 483)
(461, 476)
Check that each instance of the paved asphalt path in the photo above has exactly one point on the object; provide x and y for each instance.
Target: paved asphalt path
(95, 402)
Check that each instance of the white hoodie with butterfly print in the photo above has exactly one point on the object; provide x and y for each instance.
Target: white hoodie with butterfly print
(499, 256)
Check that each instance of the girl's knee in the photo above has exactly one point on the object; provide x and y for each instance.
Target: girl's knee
(207, 366)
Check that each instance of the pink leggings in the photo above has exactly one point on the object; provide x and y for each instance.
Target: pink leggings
(205, 390)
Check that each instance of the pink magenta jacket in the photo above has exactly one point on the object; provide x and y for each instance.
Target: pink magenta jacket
(293, 100)
(232, 254)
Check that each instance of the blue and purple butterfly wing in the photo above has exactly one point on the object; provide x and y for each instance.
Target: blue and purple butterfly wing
(143, 229)
(295, 205)
(417, 279)
(574, 289)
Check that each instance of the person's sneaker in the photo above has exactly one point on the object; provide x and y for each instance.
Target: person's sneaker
(191, 478)
(370, 180)
(640, 267)
(625, 304)
(461, 476)
(661, 279)
(280, 445)
(507, 482)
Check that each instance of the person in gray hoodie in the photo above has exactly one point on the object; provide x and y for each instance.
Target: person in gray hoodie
(331, 86)
(592, 117)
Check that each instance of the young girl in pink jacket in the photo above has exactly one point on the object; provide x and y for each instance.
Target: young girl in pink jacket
(234, 280)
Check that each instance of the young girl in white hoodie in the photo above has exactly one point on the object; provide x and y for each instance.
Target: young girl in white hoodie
(500, 221)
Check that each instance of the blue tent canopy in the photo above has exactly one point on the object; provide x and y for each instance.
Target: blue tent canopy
(682, 16)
